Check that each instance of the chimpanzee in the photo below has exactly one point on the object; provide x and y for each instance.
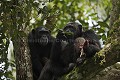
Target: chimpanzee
(79, 43)
(89, 41)
(61, 60)
(40, 43)
(89, 36)
(85, 49)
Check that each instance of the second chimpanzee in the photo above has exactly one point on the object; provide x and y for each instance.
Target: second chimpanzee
(61, 60)
(89, 35)
(85, 49)
(40, 43)
(89, 41)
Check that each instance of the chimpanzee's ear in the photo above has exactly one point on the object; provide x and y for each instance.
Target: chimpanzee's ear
(33, 31)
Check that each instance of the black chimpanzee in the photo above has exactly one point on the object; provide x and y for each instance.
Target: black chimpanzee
(89, 35)
(90, 39)
(61, 60)
(40, 43)
(85, 49)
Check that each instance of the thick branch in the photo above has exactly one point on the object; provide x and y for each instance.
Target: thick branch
(106, 57)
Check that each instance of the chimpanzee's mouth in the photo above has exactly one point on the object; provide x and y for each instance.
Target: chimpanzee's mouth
(43, 42)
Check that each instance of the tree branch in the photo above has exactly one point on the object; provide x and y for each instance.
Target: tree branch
(106, 57)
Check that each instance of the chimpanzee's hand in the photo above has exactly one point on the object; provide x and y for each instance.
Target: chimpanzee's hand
(92, 41)
(80, 61)
(71, 66)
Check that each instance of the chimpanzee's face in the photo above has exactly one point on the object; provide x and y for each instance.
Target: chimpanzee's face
(70, 29)
(74, 28)
(69, 32)
(79, 44)
(42, 35)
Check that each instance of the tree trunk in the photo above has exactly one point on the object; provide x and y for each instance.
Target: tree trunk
(22, 57)
(23, 62)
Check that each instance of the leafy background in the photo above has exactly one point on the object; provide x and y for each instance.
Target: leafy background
(19, 17)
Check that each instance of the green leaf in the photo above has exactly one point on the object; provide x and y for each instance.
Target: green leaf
(104, 37)
(103, 24)
(92, 14)
(100, 30)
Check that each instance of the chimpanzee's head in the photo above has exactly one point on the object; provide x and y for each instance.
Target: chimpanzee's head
(75, 28)
(79, 44)
(42, 35)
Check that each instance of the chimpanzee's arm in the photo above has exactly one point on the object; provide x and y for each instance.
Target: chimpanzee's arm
(57, 48)
(60, 71)
(91, 50)
(57, 66)
(93, 45)
(91, 37)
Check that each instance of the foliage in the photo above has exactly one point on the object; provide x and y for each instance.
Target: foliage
(92, 14)
(18, 17)
(11, 16)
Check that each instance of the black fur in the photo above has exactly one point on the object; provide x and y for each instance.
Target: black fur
(61, 60)
(93, 43)
(40, 43)
(74, 28)
(63, 57)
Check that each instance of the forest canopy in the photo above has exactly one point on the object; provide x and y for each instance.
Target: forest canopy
(19, 17)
